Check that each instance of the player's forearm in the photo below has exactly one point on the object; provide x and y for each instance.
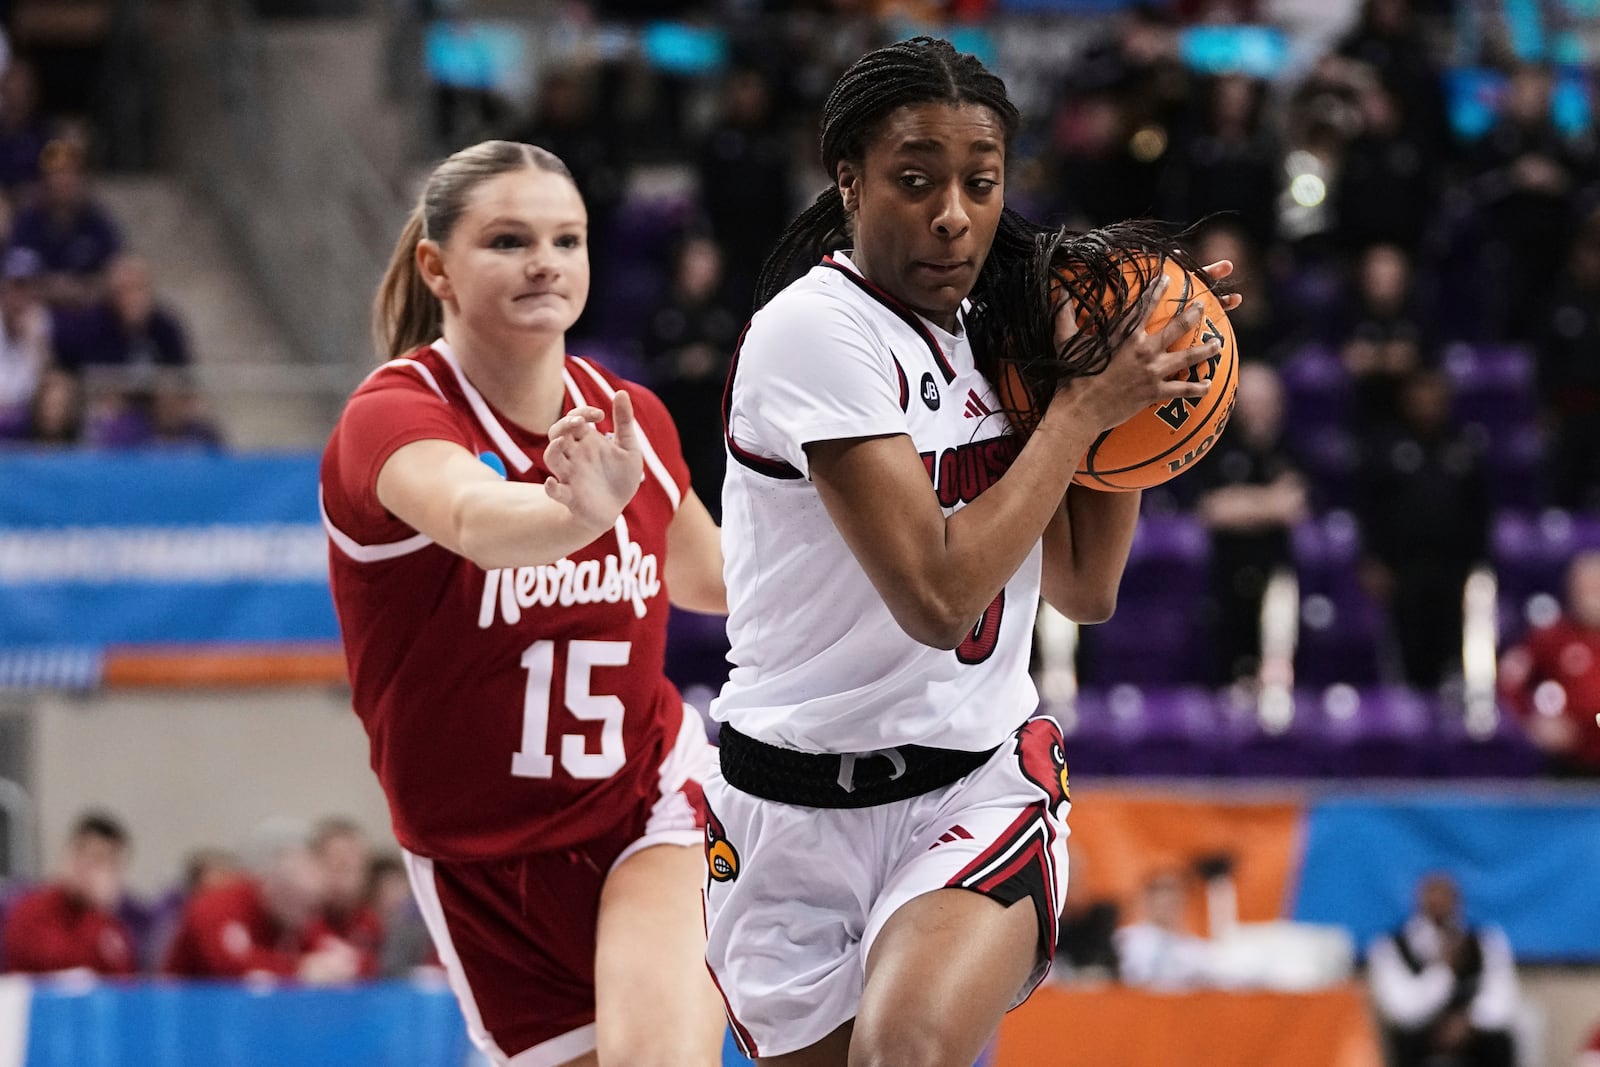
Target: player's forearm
(511, 524)
(1085, 551)
(987, 541)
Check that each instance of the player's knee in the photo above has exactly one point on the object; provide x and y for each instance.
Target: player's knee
(657, 1051)
(903, 1045)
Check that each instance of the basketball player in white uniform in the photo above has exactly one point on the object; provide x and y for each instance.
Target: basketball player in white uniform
(885, 841)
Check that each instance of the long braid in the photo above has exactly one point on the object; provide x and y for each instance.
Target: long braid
(921, 70)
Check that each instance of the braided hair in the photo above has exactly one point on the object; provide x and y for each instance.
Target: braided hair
(923, 70)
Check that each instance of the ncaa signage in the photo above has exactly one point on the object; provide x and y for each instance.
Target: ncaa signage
(168, 549)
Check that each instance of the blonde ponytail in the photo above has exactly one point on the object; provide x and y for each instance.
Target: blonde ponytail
(405, 313)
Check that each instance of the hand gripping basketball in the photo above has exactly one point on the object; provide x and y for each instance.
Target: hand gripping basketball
(1078, 304)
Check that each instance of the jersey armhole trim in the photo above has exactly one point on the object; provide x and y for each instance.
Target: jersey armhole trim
(771, 468)
(368, 553)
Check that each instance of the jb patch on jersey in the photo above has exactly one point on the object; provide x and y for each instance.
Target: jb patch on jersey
(791, 973)
(834, 357)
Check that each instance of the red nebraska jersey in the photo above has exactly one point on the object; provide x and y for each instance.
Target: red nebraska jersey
(49, 930)
(510, 711)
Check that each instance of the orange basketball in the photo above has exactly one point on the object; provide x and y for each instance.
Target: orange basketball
(1163, 440)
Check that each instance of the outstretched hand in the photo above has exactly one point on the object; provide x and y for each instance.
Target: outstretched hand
(593, 474)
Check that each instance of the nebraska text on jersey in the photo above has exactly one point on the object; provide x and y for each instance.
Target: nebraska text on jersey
(634, 578)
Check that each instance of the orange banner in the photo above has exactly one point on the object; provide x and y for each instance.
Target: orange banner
(191, 666)
(1121, 838)
(1118, 1027)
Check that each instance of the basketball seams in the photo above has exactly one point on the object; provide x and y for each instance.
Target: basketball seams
(1203, 424)
(1103, 478)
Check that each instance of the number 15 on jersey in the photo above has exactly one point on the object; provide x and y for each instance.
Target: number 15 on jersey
(534, 760)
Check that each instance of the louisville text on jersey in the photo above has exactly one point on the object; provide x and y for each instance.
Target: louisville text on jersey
(960, 474)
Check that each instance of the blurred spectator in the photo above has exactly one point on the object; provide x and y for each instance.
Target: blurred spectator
(1445, 991)
(25, 349)
(1423, 501)
(1551, 678)
(71, 923)
(1157, 952)
(1389, 40)
(1100, 178)
(1257, 326)
(128, 328)
(406, 944)
(55, 416)
(266, 924)
(73, 235)
(1113, 124)
(1085, 942)
(1569, 373)
(204, 869)
(689, 342)
(744, 168)
(1231, 164)
(1528, 176)
(1381, 343)
(1387, 188)
(1253, 495)
(342, 850)
(565, 120)
(23, 134)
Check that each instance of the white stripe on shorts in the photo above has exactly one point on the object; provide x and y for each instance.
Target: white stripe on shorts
(557, 1050)
(672, 818)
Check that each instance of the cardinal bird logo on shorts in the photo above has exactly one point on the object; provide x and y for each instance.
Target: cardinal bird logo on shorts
(1042, 754)
(722, 859)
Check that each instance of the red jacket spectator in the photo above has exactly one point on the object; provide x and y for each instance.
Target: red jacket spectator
(72, 922)
(53, 929)
(229, 932)
(1552, 678)
(267, 924)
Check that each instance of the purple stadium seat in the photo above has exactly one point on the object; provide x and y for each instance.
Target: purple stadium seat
(1253, 751)
(1531, 553)
(1516, 469)
(1318, 390)
(1156, 636)
(1505, 752)
(1388, 732)
(1493, 385)
(1094, 746)
(1330, 459)
(1170, 732)
(1342, 631)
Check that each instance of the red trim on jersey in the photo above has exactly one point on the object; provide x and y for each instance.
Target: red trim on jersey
(906, 314)
(1032, 823)
(741, 1036)
(772, 468)
(905, 386)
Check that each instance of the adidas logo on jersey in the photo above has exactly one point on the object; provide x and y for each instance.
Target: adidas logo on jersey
(635, 578)
(955, 833)
(976, 408)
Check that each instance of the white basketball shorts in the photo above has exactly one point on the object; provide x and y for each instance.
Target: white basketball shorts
(795, 896)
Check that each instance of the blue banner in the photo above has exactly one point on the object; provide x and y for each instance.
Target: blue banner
(220, 1024)
(160, 548)
(1528, 865)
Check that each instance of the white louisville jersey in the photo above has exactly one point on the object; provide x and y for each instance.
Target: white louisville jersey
(819, 663)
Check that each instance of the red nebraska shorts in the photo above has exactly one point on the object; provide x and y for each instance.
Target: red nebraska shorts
(517, 936)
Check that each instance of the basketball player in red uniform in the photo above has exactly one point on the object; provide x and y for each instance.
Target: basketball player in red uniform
(503, 597)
